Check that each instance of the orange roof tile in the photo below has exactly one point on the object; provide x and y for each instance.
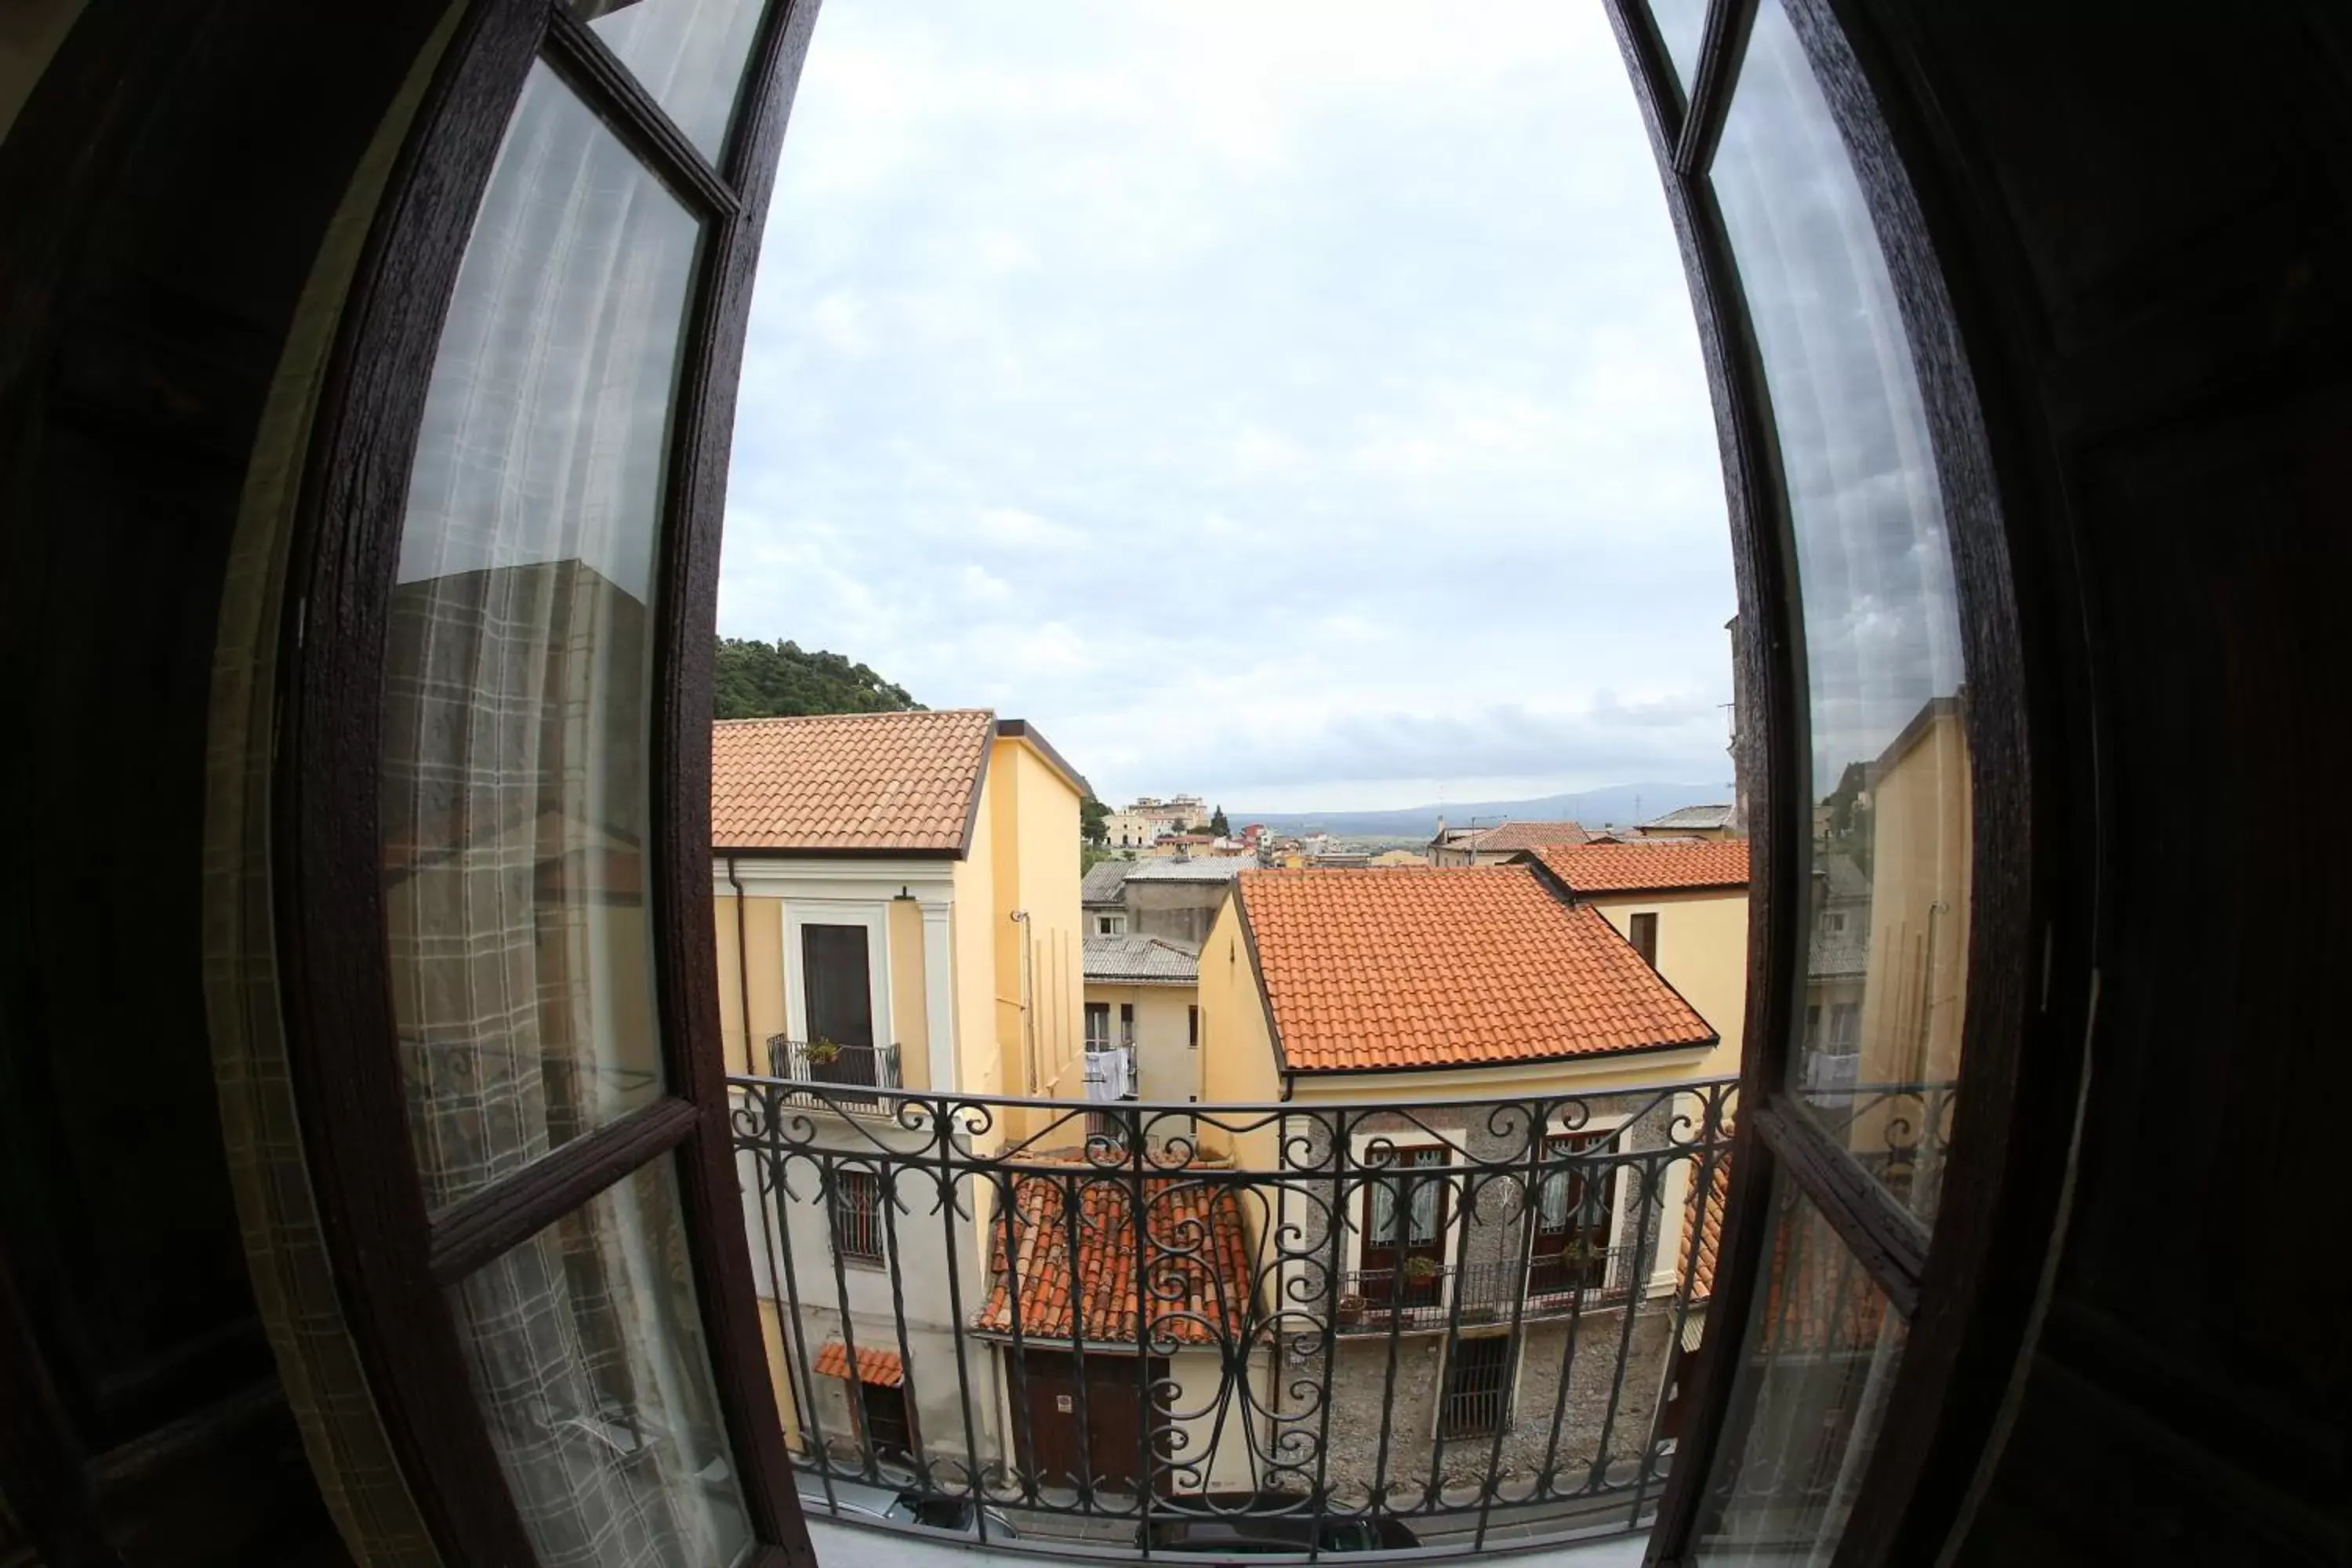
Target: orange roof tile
(1196, 1268)
(1703, 1227)
(882, 1367)
(1650, 866)
(884, 783)
(1385, 967)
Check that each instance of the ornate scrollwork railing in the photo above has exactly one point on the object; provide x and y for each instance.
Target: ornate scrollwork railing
(1428, 1321)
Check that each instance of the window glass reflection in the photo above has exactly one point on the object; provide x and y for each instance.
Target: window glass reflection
(1889, 868)
(1819, 1362)
(689, 54)
(515, 793)
(586, 1352)
(1682, 23)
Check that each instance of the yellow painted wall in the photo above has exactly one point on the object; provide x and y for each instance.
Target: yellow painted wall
(1168, 1066)
(1920, 887)
(1702, 953)
(1237, 1059)
(765, 944)
(972, 922)
(1033, 811)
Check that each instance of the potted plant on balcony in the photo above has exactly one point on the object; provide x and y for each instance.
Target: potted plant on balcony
(1419, 1271)
(1351, 1310)
(822, 1053)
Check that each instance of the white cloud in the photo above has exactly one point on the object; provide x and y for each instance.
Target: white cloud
(1256, 397)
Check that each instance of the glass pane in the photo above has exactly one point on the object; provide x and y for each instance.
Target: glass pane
(514, 747)
(689, 54)
(1682, 23)
(587, 1351)
(1819, 1362)
(1886, 967)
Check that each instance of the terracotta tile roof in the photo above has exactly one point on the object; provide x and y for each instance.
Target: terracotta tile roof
(1505, 837)
(886, 782)
(882, 1367)
(1386, 967)
(1656, 867)
(1820, 1299)
(1196, 1260)
(1703, 1226)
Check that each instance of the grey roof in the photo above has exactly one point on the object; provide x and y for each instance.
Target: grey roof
(1841, 957)
(1103, 882)
(1197, 868)
(1843, 880)
(1692, 816)
(1150, 960)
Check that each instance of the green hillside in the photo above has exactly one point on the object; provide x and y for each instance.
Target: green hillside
(777, 680)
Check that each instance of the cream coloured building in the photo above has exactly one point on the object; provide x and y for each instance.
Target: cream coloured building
(900, 890)
(1682, 904)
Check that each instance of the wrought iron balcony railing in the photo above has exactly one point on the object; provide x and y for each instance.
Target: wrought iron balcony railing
(1444, 1322)
(1549, 1283)
(842, 1068)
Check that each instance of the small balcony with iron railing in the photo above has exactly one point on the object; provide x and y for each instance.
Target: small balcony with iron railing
(841, 1070)
(1057, 1323)
(1371, 1300)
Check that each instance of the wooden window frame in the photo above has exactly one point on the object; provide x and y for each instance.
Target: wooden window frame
(1642, 931)
(1968, 1288)
(393, 1261)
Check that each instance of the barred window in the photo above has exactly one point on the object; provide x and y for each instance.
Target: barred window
(857, 1215)
(1477, 1387)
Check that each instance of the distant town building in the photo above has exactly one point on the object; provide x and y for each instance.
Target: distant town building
(1692, 822)
(1494, 845)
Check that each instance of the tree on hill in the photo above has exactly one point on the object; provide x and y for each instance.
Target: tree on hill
(1217, 823)
(1091, 826)
(779, 680)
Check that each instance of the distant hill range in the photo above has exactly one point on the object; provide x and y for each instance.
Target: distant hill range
(1623, 804)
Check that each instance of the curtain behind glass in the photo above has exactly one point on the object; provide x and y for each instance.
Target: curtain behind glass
(515, 819)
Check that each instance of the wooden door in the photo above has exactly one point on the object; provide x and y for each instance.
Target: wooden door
(1403, 1251)
(1097, 1440)
(1568, 1248)
(890, 1430)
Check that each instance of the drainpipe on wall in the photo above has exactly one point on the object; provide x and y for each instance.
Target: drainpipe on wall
(742, 968)
(1028, 1017)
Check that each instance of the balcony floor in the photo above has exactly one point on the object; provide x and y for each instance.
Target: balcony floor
(842, 1545)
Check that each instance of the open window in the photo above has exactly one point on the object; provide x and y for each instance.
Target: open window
(503, 756)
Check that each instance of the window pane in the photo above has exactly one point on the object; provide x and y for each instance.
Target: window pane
(1820, 1359)
(1889, 755)
(689, 54)
(586, 1352)
(515, 790)
(1683, 25)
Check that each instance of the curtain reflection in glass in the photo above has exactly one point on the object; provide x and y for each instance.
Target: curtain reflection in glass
(586, 1352)
(515, 792)
(1890, 864)
(689, 54)
(1818, 1363)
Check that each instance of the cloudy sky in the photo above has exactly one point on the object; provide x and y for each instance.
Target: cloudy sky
(1299, 404)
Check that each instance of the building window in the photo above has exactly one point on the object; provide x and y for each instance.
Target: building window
(1574, 1215)
(1097, 1026)
(1127, 1024)
(1845, 1028)
(1110, 925)
(1478, 1388)
(1645, 938)
(1192, 1028)
(857, 1217)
